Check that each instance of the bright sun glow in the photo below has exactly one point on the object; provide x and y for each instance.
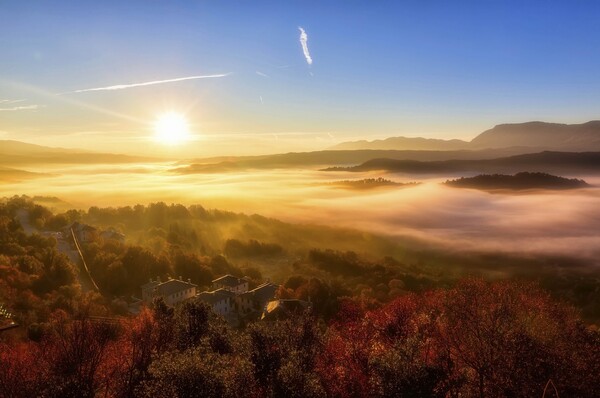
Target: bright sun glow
(171, 129)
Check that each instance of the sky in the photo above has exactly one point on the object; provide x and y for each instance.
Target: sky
(290, 76)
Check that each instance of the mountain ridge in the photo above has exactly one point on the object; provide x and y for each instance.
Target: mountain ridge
(14, 152)
(537, 135)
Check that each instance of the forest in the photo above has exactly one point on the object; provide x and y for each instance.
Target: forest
(522, 180)
(405, 323)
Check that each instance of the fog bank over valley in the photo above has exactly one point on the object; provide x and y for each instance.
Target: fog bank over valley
(535, 221)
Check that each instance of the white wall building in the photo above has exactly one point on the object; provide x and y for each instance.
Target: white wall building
(172, 291)
(231, 283)
(220, 300)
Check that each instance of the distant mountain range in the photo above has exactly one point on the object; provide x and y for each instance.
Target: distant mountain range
(330, 158)
(21, 153)
(405, 143)
(537, 136)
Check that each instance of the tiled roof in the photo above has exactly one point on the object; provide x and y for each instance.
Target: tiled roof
(229, 280)
(214, 297)
(264, 292)
(149, 285)
(173, 286)
(224, 292)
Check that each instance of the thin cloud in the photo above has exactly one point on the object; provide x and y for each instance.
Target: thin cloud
(11, 101)
(75, 102)
(261, 74)
(261, 99)
(151, 83)
(21, 108)
(304, 44)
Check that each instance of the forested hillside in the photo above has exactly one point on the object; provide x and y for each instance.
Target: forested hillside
(410, 326)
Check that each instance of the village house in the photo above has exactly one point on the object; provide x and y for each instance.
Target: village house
(172, 291)
(232, 299)
(255, 299)
(220, 300)
(231, 283)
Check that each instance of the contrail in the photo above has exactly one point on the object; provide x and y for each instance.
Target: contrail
(259, 73)
(124, 86)
(304, 43)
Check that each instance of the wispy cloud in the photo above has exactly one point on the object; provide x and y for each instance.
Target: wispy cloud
(151, 83)
(52, 96)
(259, 73)
(21, 108)
(304, 44)
(5, 101)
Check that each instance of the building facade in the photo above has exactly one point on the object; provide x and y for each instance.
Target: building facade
(172, 291)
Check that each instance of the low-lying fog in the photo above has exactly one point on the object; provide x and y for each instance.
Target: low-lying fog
(557, 222)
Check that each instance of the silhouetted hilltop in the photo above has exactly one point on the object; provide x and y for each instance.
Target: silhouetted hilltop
(519, 181)
(331, 158)
(536, 136)
(20, 153)
(369, 183)
(405, 143)
(24, 148)
(569, 137)
(13, 175)
(548, 162)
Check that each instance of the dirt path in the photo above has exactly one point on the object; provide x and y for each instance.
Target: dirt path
(63, 246)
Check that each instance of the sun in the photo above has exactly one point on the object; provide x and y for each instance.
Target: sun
(171, 128)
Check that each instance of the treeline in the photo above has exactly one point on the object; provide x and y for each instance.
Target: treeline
(367, 183)
(477, 339)
(252, 248)
(383, 279)
(121, 269)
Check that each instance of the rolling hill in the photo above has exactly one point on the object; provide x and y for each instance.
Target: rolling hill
(330, 158)
(405, 143)
(519, 181)
(546, 162)
(21, 153)
(8, 174)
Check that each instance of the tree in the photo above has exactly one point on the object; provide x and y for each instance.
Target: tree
(197, 372)
(74, 351)
(192, 323)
